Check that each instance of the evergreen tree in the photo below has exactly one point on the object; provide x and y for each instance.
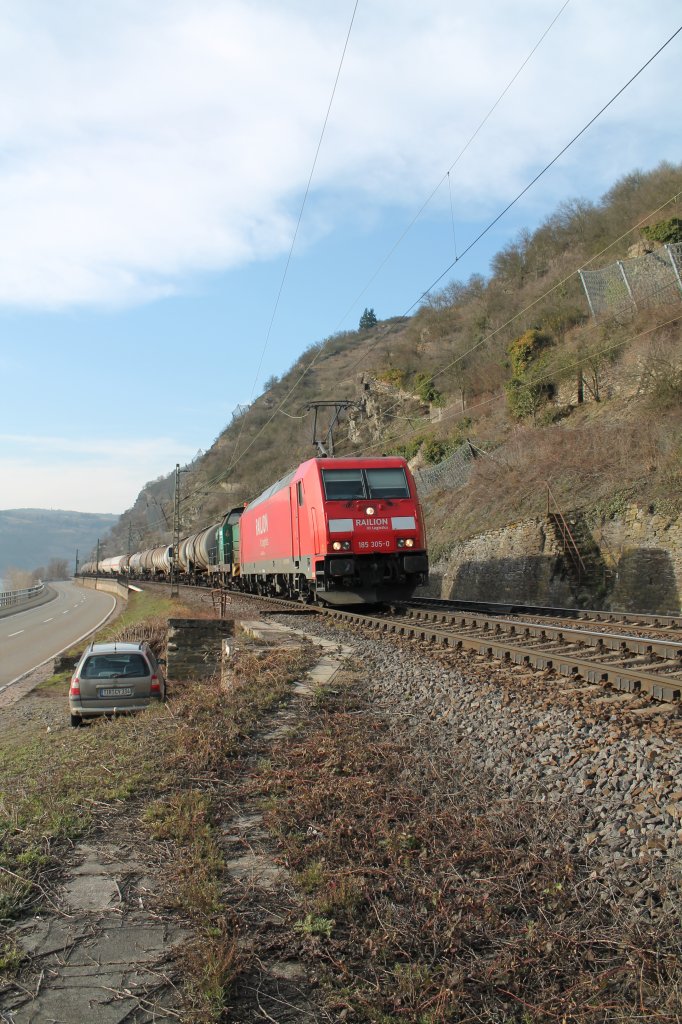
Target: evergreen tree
(368, 319)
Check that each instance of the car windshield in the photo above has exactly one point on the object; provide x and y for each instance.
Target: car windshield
(111, 666)
(346, 484)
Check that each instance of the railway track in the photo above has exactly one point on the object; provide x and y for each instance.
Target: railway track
(625, 661)
(609, 649)
(634, 619)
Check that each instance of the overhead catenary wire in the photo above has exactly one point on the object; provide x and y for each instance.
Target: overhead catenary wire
(555, 287)
(559, 284)
(300, 216)
(544, 170)
(546, 377)
(233, 460)
(428, 290)
(452, 166)
(605, 350)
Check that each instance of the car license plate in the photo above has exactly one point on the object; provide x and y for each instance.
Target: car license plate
(116, 691)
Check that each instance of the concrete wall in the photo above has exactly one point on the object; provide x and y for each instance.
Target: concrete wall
(638, 556)
(102, 583)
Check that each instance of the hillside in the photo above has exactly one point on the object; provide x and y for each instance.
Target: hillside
(33, 537)
(516, 363)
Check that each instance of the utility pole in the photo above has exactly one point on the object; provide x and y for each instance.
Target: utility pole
(76, 569)
(97, 564)
(130, 538)
(175, 585)
(325, 445)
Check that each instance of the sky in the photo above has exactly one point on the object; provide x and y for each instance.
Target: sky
(155, 156)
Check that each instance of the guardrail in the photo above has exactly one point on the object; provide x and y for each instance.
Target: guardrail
(12, 597)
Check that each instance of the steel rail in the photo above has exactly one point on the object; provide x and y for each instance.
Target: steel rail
(632, 681)
(669, 621)
(489, 643)
(625, 643)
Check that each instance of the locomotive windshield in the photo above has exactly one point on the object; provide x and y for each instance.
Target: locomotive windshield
(346, 484)
(343, 484)
(387, 483)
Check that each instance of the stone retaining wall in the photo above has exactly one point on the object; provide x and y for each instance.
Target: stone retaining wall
(640, 552)
(194, 647)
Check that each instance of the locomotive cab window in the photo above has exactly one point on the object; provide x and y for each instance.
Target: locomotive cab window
(387, 483)
(343, 484)
(346, 484)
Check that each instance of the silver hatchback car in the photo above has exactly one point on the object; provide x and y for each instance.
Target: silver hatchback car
(115, 678)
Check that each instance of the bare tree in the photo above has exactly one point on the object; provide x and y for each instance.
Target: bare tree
(16, 579)
(57, 569)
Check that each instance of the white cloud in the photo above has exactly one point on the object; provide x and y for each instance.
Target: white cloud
(143, 143)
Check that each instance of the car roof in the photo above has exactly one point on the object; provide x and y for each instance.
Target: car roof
(116, 647)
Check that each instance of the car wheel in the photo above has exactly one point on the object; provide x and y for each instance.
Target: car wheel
(76, 720)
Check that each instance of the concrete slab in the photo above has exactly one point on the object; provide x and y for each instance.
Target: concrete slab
(44, 936)
(327, 666)
(70, 1006)
(104, 860)
(269, 632)
(131, 942)
(92, 892)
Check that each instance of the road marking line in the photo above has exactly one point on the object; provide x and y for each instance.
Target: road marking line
(48, 620)
(17, 633)
(68, 647)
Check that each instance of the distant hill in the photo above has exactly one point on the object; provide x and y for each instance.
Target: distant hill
(31, 537)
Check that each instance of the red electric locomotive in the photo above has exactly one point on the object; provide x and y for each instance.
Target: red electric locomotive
(340, 531)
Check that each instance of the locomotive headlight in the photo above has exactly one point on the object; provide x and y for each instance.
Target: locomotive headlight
(409, 543)
(336, 546)
(345, 545)
(370, 510)
(401, 542)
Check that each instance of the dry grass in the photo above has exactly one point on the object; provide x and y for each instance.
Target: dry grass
(165, 779)
(428, 900)
(595, 463)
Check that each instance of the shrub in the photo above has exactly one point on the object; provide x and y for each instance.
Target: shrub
(529, 387)
(665, 231)
(426, 389)
(410, 448)
(436, 449)
(393, 376)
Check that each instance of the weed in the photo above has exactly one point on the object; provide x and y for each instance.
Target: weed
(11, 958)
(314, 925)
(211, 966)
(319, 696)
(342, 897)
(312, 877)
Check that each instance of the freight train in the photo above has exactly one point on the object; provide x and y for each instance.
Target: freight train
(337, 531)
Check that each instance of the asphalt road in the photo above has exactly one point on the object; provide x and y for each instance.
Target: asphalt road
(32, 637)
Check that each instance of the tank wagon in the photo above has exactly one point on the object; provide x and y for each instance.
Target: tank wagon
(339, 531)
